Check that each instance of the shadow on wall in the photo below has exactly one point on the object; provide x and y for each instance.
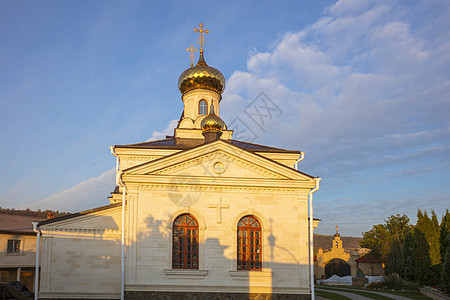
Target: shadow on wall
(83, 263)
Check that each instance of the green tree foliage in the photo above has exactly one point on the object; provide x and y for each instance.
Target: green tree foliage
(433, 240)
(422, 260)
(445, 274)
(444, 238)
(430, 228)
(395, 259)
(380, 238)
(408, 256)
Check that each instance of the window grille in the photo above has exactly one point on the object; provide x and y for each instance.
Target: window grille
(249, 244)
(203, 108)
(13, 246)
(185, 243)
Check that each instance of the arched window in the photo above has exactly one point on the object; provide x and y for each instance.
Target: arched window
(185, 243)
(203, 108)
(249, 244)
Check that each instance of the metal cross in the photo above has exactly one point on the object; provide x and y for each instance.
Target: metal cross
(337, 228)
(218, 207)
(191, 54)
(201, 39)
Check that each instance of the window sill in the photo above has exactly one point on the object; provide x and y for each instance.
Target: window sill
(15, 254)
(185, 273)
(253, 275)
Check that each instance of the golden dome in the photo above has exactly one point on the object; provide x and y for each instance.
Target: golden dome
(201, 76)
(212, 122)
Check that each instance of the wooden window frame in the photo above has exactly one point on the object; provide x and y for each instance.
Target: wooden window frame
(185, 242)
(249, 246)
(13, 246)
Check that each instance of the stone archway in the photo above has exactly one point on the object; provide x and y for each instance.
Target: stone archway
(338, 267)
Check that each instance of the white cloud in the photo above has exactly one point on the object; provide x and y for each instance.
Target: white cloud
(85, 195)
(160, 135)
(365, 95)
(355, 104)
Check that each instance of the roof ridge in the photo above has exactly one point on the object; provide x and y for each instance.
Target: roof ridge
(147, 142)
(80, 213)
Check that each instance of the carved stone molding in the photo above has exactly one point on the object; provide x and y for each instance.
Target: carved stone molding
(86, 230)
(217, 155)
(185, 274)
(222, 189)
(251, 275)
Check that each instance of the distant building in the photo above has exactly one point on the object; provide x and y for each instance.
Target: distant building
(371, 265)
(336, 255)
(18, 247)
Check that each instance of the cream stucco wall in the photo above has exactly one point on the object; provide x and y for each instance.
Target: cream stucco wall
(249, 185)
(81, 256)
(27, 255)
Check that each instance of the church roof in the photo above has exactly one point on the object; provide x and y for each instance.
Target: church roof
(369, 258)
(325, 242)
(81, 213)
(184, 144)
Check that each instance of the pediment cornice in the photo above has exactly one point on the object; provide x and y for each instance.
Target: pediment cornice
(222, 152)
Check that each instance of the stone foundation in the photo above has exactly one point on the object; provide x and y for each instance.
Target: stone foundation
(129, 295)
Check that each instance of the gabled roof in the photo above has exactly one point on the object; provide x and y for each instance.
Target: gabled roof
(184, 144)
(370, 258)
(81, 213)
(214, 146)
(17, 224)
(325, 242)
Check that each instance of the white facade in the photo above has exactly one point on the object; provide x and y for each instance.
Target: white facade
(217, 183)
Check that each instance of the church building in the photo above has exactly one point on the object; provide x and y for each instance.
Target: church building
(198, 214)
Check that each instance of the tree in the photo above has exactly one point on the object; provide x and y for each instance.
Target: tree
(422, 260)
(380, 238)
(408, 256)
(395, 259)
(429, 227)
(374, 240)
(445, 274)
(444, 232)
(433, 240)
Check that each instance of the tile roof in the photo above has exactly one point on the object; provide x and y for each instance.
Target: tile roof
(325, 242)
(369, 258)
(16, 223)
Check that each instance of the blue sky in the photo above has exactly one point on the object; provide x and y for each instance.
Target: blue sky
(363, 88)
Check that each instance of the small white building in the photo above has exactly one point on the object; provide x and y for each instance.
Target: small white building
(204, 215)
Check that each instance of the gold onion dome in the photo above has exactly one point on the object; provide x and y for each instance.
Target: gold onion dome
(201, 76)
(212, 122)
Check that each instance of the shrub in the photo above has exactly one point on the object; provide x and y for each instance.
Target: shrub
(393, 282)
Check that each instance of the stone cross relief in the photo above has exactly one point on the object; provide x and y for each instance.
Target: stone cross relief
(218, 207)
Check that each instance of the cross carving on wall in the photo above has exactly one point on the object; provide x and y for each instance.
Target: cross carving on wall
(218, 207)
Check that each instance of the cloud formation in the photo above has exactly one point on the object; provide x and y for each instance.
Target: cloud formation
(85, 195)
(360, 89)
(160, 135)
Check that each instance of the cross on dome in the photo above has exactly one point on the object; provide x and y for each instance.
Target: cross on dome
(201, 39)
(191, 54)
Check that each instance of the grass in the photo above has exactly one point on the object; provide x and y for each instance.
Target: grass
(359, 291)
(412, 295)
(330, 295)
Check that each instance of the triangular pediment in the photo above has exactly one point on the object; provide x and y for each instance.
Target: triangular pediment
(219, 159)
